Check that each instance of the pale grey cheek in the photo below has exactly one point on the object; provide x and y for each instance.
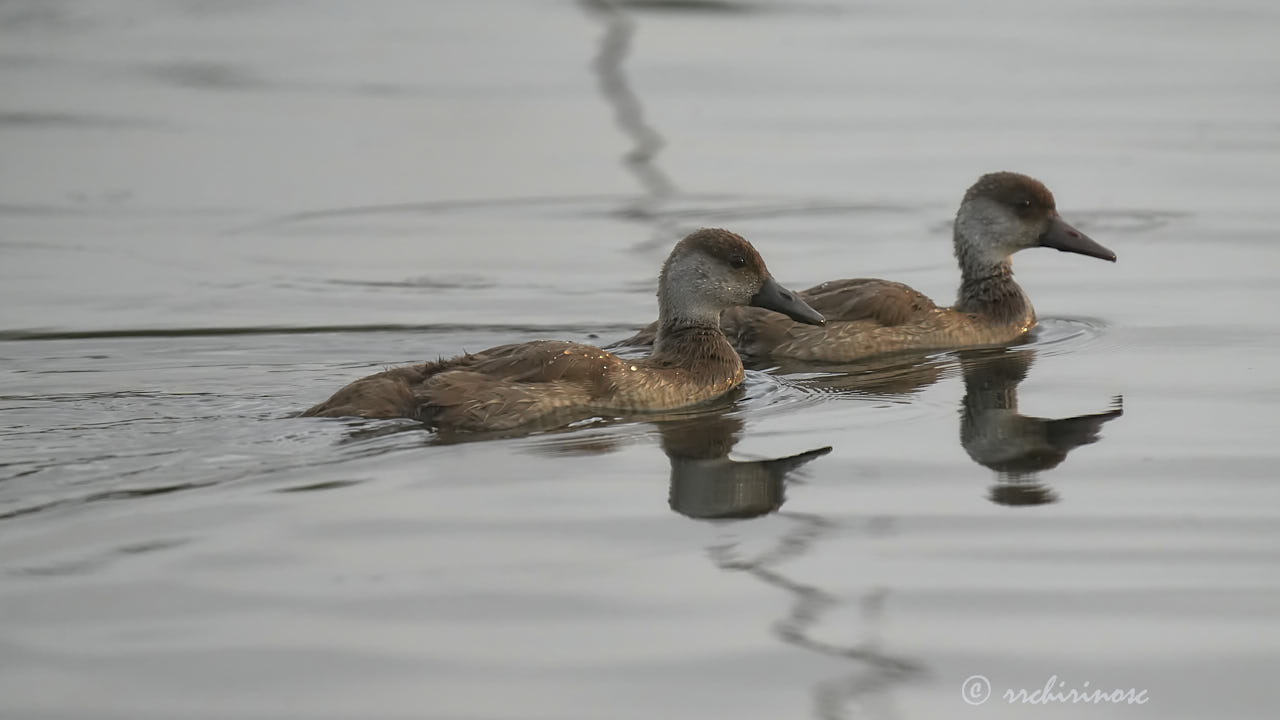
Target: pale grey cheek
(976, 225)
(994, 231)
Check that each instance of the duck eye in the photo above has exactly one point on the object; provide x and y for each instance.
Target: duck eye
(1025, 204)
(737, 261)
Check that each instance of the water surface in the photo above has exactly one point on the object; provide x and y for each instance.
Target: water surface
(212, 215)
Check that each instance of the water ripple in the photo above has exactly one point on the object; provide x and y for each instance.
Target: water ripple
(1061, 335)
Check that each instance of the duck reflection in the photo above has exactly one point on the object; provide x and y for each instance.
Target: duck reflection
(1017, 447)
(706, 484)
(992, 432)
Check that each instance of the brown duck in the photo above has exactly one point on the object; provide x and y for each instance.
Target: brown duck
(514, 385)
(1001, 214)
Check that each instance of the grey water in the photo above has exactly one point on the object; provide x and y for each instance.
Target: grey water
(213, 214)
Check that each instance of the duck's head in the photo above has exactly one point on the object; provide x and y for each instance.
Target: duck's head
(1005, 212)
(713, 270)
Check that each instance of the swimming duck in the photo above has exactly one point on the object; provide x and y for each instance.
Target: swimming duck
(1001, 213)
(509, 386)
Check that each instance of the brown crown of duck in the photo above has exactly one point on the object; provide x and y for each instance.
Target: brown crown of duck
(548, 383)
(1002, 213)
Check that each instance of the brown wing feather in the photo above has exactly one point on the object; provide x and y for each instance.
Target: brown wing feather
(388, 394)
(465, 400)
(498, 388)
(881, 301)
(861, 316)
(544, 361)
(511, 385)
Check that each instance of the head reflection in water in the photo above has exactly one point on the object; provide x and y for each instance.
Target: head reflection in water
(707, 485)
(1016, 446)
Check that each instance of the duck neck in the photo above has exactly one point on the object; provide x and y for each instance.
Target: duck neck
(689, 335)
(987, 287)
(694, 343)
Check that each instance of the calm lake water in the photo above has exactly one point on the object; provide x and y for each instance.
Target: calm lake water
(213, 214)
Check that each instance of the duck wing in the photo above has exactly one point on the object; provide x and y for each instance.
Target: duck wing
(880, 301)
(861, 313)
(513, 382)
(511, 385)
(541, 361)
(388, 394)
